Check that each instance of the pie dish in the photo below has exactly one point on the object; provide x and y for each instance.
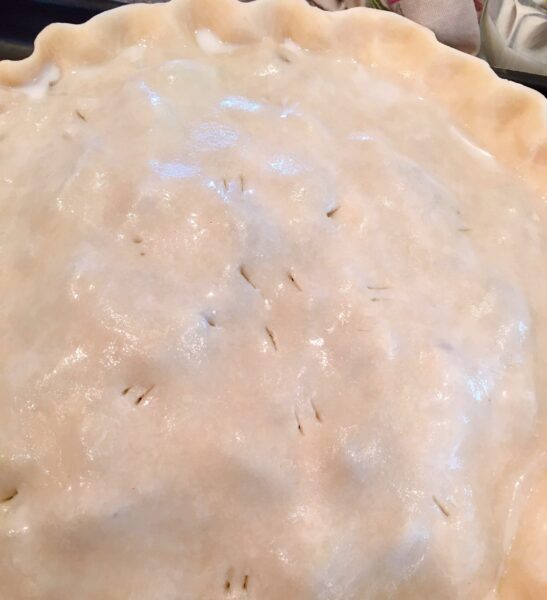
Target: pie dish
(273, 315)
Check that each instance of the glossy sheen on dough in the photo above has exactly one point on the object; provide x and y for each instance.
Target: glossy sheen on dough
(272, 326)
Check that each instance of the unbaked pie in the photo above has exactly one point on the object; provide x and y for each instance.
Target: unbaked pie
(274, 312)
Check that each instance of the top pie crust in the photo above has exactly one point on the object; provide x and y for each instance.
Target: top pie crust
(505, 118)
(274, 311)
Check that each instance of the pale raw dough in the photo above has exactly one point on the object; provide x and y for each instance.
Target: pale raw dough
(272, 327)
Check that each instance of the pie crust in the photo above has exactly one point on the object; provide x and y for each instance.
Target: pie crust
(273, 316)
(504, 118)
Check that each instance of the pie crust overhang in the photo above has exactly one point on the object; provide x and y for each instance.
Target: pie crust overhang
(274, 311)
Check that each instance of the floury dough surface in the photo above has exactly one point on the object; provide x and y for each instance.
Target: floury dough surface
(271, 327)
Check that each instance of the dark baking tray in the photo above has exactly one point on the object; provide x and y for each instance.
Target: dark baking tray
(22, 20)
